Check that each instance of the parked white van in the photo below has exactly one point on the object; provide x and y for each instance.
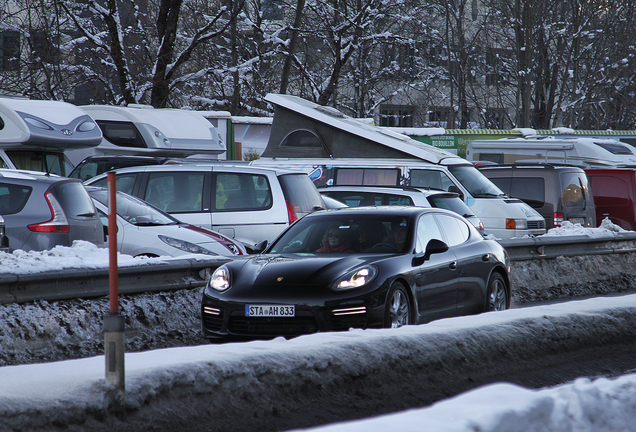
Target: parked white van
(583, 152)
(35, 134)
(502, 216)
(146, 131)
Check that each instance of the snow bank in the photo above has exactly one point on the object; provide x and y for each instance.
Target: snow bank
(224, 385)
(600, 406)
(81, 254)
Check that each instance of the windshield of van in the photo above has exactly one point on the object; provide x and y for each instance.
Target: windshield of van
(48, 162)
(477, 184)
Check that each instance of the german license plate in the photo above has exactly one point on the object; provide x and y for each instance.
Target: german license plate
(269, 311)
(577, 221)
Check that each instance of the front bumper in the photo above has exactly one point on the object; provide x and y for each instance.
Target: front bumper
(225, 319)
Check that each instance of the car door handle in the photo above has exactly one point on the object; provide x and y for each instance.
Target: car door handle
(453, 265)
(485, 257)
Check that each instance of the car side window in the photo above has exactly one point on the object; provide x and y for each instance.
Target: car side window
(427, 230)
(457, 232)
(176, 192)
(125, 182)
(13, 198)
(399, 200)
(242, 192)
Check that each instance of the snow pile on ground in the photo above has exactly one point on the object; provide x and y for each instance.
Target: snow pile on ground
(599, 406)
(567, 228)
(226, 384)
(81, 254)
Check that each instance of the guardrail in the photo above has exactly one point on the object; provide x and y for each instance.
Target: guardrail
(186, 273)
(546, 247)
(67, 284)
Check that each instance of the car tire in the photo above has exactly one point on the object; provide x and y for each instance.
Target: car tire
(398, 307)
(497, 298)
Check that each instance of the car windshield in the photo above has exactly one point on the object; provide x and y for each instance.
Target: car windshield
(475, 182)
(334, 233)
(135, 211)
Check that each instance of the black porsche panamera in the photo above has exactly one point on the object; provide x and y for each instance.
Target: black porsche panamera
(363, 267)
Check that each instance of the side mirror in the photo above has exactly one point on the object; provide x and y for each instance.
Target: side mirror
(259, 247)
(435, 246)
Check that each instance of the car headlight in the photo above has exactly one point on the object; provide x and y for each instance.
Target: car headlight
(220, 279)
(185, 246)
(356, 278)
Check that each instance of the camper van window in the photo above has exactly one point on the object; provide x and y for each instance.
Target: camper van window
(367, 176)
(54, 163)
(301, 138)
(497, 158)
(477, 184)
(123, 134)
(615, 148)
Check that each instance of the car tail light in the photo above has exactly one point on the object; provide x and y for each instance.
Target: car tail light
(291, 213)
(58, 223)
(558, 219)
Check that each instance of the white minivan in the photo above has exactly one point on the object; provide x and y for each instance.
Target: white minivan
(249, 204)
(503, 217)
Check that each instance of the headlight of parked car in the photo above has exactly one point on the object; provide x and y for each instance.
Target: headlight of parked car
(185, 246)
(220, 280)
(356, 278)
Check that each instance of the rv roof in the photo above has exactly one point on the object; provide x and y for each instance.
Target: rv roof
(55, 111)
(46, 124)
(380, 135)
(173, 123)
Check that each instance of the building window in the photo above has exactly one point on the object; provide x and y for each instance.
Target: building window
(438, 114)
(9, 50)
(496, 118)
(272, 10)
(396, 115)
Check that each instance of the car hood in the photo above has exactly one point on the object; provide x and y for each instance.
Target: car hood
(292, 269)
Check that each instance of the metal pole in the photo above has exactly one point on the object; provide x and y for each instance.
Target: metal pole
(113, 322)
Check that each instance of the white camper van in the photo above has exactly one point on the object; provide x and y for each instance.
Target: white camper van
(35, 134)
(583, 152)
(502, 216)
(146, 131)
(326, 144)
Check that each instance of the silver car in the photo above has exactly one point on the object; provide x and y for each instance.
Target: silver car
(144, 230)
(42, 211)
(356, 196)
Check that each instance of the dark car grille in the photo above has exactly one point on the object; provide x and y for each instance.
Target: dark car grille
(536, 224)
(212, 318)
(287, 326)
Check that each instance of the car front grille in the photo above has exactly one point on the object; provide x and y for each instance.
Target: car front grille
(212, 318)
(287, 326)
(536, 224)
